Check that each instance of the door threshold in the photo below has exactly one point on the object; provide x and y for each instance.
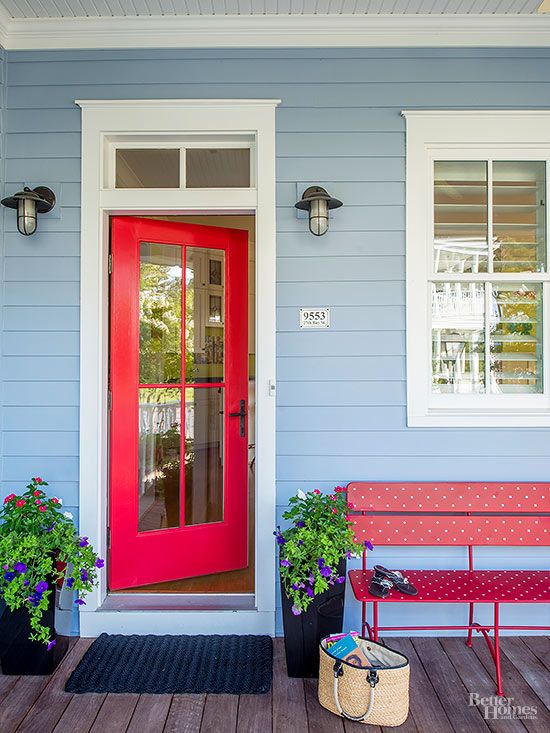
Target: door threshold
(177, 602)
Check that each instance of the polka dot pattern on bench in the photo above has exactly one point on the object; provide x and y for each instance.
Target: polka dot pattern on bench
(463, 586)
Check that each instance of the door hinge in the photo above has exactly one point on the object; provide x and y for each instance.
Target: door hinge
(110, 264)
(109, 400)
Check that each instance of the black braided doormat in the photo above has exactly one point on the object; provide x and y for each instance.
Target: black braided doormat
(236, 665)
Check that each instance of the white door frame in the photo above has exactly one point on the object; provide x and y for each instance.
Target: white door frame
(102, 121)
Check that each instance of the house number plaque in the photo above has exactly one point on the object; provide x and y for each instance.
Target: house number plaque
(314, 317)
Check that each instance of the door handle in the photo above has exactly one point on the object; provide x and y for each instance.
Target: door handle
(242, 415)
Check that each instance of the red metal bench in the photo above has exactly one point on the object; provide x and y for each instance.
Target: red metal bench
(460, 514)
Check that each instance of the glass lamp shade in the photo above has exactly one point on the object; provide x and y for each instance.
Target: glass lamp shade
(318, 217)
(26, 216)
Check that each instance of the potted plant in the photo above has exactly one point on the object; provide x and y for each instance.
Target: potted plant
(39, 547)
(312, 568)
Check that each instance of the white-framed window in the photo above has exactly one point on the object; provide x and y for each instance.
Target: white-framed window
(478, 270)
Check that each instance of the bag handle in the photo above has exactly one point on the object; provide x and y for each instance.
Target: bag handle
(373, 681)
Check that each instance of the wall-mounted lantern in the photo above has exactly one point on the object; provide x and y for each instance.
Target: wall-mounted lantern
(29, 203)
(318, 202)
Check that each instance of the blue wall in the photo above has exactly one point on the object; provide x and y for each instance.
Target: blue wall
(341, 393)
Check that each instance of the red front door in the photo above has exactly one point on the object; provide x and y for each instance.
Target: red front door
(179, 383)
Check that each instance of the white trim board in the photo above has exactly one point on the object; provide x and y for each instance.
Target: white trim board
(147, 119)
(282, 31)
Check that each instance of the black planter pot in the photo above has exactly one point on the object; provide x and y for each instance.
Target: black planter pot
(21, 656)
(324, 616)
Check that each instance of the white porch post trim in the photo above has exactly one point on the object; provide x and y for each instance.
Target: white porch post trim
(102, 119)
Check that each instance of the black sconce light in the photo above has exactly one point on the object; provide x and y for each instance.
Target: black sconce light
(29, 203)
(318, 202)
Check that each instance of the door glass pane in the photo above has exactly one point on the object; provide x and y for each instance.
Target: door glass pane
(217, 167)
(147, 168)
(204, 315)
(204, 455)
(516, 338)
(159, 458)
(458, 341)
(160, 275)
(519, 217)
(460, 216)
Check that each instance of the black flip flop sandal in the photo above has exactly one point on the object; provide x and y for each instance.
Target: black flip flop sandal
(397, 579)
(379, 586)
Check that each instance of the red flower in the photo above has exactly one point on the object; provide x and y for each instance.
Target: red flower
(37, 501)
(9, 497)
(37, 479)
(334, 510)
(316, 491)
(42, 508)
(339, 489)
(351, 505)
(54, 500)
(21, 502)
(36, 493)
(333, 497)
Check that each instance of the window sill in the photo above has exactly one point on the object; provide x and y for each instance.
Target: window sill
(480, 419)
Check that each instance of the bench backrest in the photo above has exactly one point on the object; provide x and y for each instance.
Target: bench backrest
(450, 513)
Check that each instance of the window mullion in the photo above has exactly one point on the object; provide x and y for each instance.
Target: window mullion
(487, 340)
(490, 265)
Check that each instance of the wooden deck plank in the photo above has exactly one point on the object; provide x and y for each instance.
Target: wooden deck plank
(448, 686)
(255, 713)
(319, 719)
(514, 685)
(7, 683)
(150, 714)
(20, 699)
(289, 703)
(80, 713)
(426, 709)
(115, 713)
(185, 714)
(529, 666)
(540, 646)
(220, 713)
(46, 711)
(477, 680)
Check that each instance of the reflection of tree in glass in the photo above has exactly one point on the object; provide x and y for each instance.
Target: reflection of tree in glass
(160, 323)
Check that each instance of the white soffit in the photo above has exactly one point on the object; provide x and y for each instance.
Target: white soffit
(51, 24)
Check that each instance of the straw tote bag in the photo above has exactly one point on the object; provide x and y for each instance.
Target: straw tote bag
(378, 695)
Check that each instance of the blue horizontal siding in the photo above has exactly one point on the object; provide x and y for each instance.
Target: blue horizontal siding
(341, 412)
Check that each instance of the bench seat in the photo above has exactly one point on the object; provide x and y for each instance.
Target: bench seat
(462, 586)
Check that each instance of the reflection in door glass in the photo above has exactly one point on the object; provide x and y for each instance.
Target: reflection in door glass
(204, 315)
(160, 285)
(159, 458)
(204, 455)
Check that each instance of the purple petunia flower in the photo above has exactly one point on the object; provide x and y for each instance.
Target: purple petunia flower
(9, 576)
(300, 523)
(51, 644)
(341, 579)
(368, 544)
(285, 563)
(79, 602)
(99, 563)
(296, 611)
(70, 582)
(20, 568)
(294, 586)
(50, 528)
(326, 571)
(300, 542)
(26, 582)
(6, 567)
(83, 542)
(321, 562)
(348, 555)
(310, 592)
(311, 578)
(41, 587)
(84, 575)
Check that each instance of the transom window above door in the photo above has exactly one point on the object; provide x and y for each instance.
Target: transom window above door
(170, 162)
(478, 288)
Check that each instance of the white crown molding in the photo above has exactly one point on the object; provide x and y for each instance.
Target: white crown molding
(176, 103)
(257, 31)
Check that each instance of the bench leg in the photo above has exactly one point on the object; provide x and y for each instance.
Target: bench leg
(497, 651)
(470, 622)
(375, 620)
